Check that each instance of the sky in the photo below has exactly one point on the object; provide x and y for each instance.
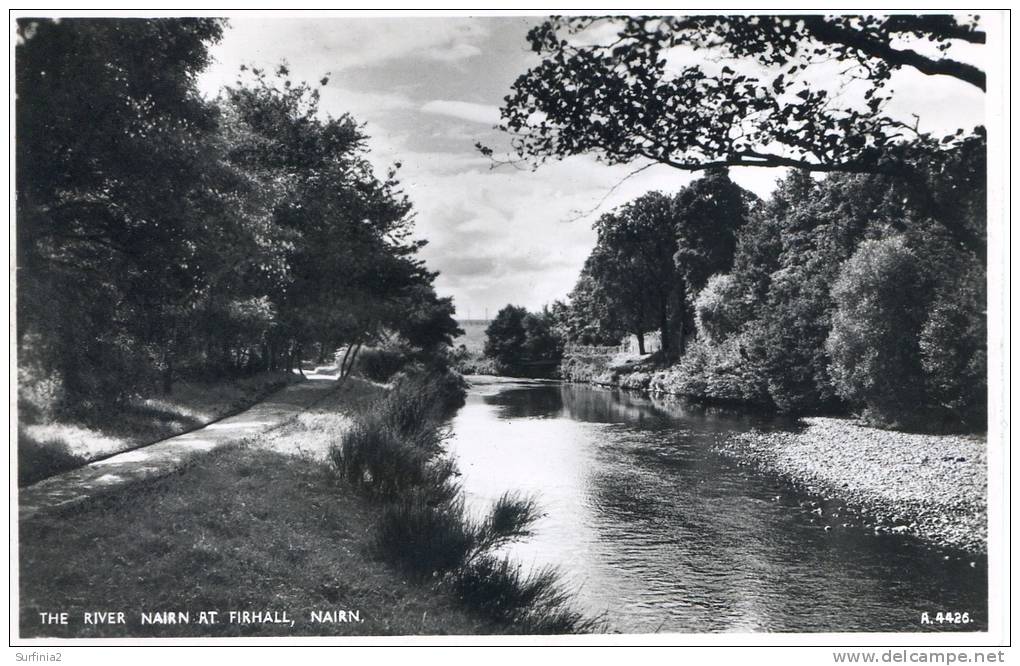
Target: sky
(428, 88)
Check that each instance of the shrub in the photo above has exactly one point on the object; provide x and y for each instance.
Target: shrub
(372, 457)
(40, 393)
(721, 308)
(425, 538)
(379, 364)
(533, 603)
(585, 366)
(876, 359)
(717, 372)
(954, 352)
(39, 460)
(788, 342)
(429, 537)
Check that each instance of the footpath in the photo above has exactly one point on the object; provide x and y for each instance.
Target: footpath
(164, 457)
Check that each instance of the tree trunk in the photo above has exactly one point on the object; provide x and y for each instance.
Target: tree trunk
(350, 366)
(168, 374)
(664, 333)
(641, 342)
(343, 361)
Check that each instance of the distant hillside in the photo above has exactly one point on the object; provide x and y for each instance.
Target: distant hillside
(474, 334)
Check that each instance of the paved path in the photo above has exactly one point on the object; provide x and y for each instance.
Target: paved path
(168, 455)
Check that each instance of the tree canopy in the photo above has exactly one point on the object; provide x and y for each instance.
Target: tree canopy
(159, 232)
(750, 98)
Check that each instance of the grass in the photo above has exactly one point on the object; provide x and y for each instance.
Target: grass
(52, 446)
(531, 603)
(245, 529)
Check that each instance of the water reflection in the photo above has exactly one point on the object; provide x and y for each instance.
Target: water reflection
(661, 533)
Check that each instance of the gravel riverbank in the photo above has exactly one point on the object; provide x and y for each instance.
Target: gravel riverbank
(931, 486)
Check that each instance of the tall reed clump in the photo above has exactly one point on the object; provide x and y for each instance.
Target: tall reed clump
(396, 455)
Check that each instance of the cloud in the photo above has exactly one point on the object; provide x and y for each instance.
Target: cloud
(452, 52)
(487, 114)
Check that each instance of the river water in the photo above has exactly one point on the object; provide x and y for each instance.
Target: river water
(657, 532)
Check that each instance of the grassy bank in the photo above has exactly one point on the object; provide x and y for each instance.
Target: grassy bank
(933, 487)
(247, 529)
(49, 445)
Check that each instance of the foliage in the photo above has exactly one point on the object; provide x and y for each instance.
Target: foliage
(771, 331)
(651, 256)
(614, 86)
(523, 342)
(39, 460)
(708, 214)
(505, 336)
(953, 347)
(220, 236)
(721, 308)
(533, 602)
(380, 364)
(717, 372)
(874, 337)
(112, 237)
(631, 269)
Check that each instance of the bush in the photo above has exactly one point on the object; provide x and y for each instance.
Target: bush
(585, 366)
(421, 395)
(40, 460)
(954, 352)
(396, 448)
(374, 458)
(717, 372)
(533, 603)
(40, 394)
(721, 308)
(876, 359)
(379, 364)
(425, 538)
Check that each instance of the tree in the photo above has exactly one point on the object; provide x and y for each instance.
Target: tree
(523, 342)
(708, 214)
(427, 320)
(721, 308)
(542, 343)
(611, 298)
(876, 361)
(353, 271)
(114, 248)
(625, 98)
(638, 242)
(505, 336)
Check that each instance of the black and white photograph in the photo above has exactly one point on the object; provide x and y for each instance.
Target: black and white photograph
(510, 328)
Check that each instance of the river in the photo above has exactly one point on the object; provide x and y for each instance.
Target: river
(657, 532)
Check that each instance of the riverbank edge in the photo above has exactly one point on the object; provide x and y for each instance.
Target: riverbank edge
(929, 487)
(946, 507)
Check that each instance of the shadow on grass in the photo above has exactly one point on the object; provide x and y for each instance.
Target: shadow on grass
(38, 460)
(106, 431)
(242, 529)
